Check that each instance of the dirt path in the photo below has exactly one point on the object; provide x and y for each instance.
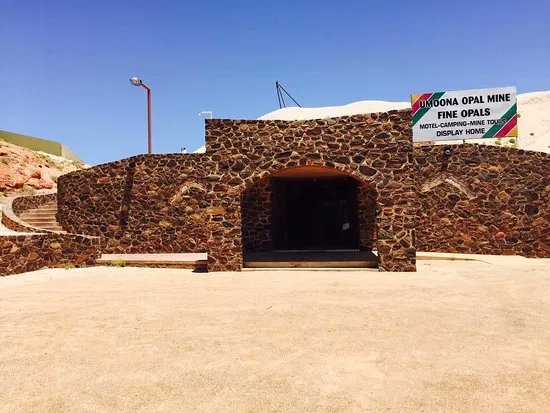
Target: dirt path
(456, 336)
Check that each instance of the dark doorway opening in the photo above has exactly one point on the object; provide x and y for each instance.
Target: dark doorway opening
(314, 213)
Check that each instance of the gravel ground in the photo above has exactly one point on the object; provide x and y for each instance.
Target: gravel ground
(455, 336)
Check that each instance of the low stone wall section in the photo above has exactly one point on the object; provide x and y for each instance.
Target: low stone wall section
(483, 200)
(30, 252)
(143, 204)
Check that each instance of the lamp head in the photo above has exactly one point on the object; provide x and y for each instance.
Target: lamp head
(136, 81)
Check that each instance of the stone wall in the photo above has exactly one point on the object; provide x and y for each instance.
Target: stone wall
(483, 200)
(256, 217)
(366, 208)
(376, 149)
(192, 203)
(24, 203)
(22, 253)
(143, 204)
(40, 248)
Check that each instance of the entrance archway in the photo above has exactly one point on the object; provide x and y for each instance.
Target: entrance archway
(309, 216)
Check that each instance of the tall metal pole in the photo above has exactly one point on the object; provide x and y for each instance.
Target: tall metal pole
(136, 81)
(149, 138)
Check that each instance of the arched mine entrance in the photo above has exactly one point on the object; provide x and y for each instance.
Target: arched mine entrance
(309, 216)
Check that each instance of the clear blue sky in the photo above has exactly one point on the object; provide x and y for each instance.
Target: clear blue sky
(65, 65)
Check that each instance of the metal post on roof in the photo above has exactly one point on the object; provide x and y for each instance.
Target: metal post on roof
(280, 97)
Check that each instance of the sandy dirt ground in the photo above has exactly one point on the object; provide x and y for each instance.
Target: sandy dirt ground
(455, 336)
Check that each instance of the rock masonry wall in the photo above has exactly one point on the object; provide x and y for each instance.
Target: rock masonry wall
(143, 204)
(256, 217)
(34, 248)
(192, 203)
(22, 253)
(376, 149)
(480, 199)
(366, 208)
(483, 200)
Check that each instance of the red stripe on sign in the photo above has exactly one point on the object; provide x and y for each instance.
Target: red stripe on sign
(416, 104)
(511, 124)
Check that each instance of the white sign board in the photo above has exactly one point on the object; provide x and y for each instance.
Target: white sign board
(464, 114)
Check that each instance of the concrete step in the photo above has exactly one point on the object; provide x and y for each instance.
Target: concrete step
(48, 211)
(36, 214)
(55, 229)
(196, 261)
(310, 259)
(46, 208)
(41, 210)
(309, 269)
(40, 220)
(48, 205)
(48, 227)
(42, 217)
(39, 213)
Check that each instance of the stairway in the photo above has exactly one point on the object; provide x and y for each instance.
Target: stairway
(42, 217)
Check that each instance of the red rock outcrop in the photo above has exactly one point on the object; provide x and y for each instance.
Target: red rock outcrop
(20, 167)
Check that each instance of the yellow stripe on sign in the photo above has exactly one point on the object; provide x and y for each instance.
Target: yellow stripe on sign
(415, 97)
(513, 132)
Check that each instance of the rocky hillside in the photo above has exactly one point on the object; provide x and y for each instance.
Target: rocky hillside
(26, 172)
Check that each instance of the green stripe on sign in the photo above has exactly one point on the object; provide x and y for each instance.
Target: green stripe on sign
(421, 112)
(495, 128)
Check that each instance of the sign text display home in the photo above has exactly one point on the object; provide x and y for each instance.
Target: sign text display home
(465, 114)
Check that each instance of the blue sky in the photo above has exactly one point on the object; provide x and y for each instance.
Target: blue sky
(65, 65)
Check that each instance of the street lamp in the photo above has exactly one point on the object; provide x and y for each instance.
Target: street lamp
(137, 82)
(206, 113)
